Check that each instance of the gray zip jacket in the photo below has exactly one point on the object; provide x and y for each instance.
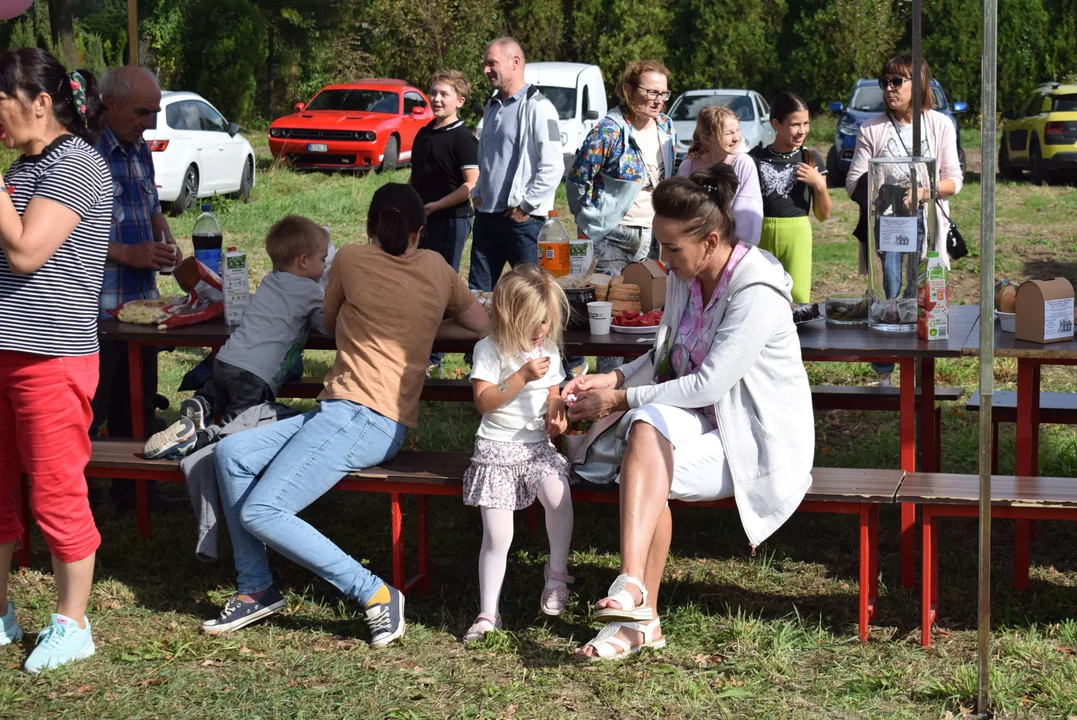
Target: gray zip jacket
(755, 378)
(542, 162)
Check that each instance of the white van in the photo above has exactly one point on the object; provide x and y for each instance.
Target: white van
(578, 93)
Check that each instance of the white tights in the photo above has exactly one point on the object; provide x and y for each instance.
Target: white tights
(553, 493)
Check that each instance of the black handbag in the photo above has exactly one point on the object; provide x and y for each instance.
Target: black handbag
(955, 244)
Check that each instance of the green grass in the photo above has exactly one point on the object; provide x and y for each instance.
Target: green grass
(765, 636)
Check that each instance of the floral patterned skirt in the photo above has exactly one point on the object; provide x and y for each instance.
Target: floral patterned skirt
(507, 474)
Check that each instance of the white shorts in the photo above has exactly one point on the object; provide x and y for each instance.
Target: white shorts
(700, 472)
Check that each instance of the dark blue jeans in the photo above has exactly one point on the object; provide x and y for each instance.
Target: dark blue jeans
(447, 237)
(498, 241)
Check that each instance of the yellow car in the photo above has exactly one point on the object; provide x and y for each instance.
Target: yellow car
(1042, 136)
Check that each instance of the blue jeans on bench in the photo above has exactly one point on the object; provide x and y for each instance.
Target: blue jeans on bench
(299, 460)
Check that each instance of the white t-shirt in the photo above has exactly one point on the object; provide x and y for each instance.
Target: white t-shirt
(523, 419)
(641, 214)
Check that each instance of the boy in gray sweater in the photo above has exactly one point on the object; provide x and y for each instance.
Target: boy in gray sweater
(250, 369)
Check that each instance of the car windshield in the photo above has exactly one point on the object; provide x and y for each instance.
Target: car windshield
(564, 99)
(375, 101)
(1066, 103)
(687, 107)
(869, 98)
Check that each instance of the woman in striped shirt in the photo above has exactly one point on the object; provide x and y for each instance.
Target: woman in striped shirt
(54, 230)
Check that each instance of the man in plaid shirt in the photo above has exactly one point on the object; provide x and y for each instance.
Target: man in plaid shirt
(133, 99)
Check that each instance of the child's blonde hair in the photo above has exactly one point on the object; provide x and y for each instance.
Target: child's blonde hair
(292, 236)
(711, 122)
(524, 298)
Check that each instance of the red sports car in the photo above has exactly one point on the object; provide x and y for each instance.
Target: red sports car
(367, 124)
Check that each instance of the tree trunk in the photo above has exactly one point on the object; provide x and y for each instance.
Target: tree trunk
(270, 78)
(63, 31)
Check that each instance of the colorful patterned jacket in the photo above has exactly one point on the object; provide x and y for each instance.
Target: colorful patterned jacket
(609, 172)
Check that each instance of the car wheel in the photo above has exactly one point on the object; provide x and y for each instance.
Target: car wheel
(1005, 169)
(392, 155)
(247, 181)
(833, 168)
(1039, 175)
(188, 194)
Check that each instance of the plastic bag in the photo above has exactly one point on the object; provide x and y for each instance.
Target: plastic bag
(204, 300)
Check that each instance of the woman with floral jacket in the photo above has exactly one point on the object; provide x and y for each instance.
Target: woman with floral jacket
(621, 162)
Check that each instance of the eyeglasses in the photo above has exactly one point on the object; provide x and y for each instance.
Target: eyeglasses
(654, 94)
(894, 83)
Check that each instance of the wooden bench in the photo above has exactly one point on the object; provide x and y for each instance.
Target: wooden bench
(1018, 498)
(1056, 408)
(425, 474)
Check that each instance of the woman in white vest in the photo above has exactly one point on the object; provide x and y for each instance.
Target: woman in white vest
(721, 408)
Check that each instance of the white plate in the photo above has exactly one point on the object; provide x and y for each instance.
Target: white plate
(650, 330)
(317, 147)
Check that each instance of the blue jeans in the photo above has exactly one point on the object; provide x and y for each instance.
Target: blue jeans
(901, 268)
(498, 240)
(299, 460)
(446, 237)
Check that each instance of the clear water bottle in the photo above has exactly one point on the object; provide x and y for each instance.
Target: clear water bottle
(208, 239)
(553, 246)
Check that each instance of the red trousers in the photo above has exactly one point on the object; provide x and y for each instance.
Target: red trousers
(45, 417)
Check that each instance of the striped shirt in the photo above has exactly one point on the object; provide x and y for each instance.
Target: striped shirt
(53, 310)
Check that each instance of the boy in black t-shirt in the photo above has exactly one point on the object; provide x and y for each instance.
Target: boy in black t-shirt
(444, 168)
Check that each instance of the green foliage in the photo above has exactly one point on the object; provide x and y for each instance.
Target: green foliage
(224, 51)
(539, 25)
(613, 33)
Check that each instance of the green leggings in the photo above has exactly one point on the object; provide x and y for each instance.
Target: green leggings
(789, 240)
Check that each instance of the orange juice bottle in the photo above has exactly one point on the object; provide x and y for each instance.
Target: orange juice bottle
(553, 246)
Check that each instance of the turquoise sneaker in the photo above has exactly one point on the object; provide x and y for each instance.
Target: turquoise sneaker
(63, 641)
(10, 632)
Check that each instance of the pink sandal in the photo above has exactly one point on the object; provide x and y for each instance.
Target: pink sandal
(554, 599)
(483, 624)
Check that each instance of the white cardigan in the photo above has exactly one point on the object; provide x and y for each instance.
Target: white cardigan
(942, 138)
(754, 376)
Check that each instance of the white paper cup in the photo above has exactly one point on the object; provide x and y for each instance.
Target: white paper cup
(600, 314)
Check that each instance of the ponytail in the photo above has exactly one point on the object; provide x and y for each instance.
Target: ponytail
(76, 99)
(701, 201)
(396, 212)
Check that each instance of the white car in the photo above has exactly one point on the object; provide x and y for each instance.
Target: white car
(748, 105)
(197, 153)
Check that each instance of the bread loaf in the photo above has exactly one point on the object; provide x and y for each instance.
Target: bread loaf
(624, 296)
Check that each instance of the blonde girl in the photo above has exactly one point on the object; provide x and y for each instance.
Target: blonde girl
(516, 376)
(717, 140)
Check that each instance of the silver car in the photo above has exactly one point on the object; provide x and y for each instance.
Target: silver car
(750, 107)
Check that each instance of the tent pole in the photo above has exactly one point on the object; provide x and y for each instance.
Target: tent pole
(132, 32)
(988, 123)
(917, 90)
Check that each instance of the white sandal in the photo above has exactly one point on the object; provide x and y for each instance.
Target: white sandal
(610, 647)
(629, 610)
(554, 599)
(483, 624)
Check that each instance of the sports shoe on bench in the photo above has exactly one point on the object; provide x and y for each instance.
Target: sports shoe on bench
(386, 620)
(197, 410)
(176, 440)
(10, 632)
(238, 613)
(63, 641)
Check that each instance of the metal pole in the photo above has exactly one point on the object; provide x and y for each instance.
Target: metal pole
(987, 344)
(917, 62)
(132, 32)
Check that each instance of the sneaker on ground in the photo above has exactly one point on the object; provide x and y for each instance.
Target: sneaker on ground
(238, 614)
(433, 371)
(386, 620)
(174, 441)
(882, 380)
(63, 641)
(577, 371)
(197, 410)
(10, 632)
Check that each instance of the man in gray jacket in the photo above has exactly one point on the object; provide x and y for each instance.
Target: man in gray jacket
(520, 167)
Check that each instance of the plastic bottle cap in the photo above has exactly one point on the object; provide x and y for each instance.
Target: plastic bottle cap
(206, 207)
(231, 249)
(552, 213)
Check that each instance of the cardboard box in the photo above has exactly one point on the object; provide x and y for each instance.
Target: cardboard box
(1044, 311)
(650, 276)
(237, 285)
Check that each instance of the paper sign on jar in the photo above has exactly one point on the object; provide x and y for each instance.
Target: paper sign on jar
(898, 234)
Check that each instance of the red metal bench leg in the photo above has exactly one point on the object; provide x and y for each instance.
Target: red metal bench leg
(928, 593)
(866, 546)
(397, 517)
(908, 545)
(1021, 554)
(873, 532)
(22, 502)
(424, 546)
(929, 418)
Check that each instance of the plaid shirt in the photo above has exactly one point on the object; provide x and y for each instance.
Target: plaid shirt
(135, 201)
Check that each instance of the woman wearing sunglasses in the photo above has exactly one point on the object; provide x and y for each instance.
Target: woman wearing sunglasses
(721, 407)
(890, 135)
